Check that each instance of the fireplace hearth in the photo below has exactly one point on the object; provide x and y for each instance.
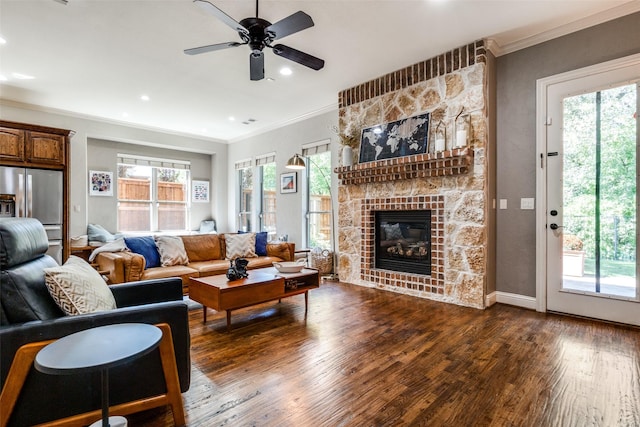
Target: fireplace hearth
(403, 241)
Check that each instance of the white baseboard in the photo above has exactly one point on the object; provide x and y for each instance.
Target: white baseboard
(490, 299)
(516, 299)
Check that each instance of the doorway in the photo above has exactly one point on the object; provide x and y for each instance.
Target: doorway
(589, 171)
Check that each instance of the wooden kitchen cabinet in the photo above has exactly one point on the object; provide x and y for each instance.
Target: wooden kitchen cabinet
(12, 144)
(45, 148)
(32, 145)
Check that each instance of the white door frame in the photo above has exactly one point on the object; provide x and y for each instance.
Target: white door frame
(542, 86)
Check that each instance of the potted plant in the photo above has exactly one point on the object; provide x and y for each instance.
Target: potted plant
(572, 255)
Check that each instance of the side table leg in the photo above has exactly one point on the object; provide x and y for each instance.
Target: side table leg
(204, 313)
(105, 397)
(306, 301)
(228, 320)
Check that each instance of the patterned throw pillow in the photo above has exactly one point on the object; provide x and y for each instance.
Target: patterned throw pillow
(240, 245)
(261, 242)
(171, 251)
(77, 288)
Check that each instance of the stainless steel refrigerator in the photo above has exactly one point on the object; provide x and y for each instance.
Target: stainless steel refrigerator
(35, 193)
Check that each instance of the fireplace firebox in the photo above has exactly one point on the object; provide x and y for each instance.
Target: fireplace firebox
(403, 241)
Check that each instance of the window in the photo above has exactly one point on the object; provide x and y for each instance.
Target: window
(268, 199)
(153, 194)
(245, 194)
(319, 232)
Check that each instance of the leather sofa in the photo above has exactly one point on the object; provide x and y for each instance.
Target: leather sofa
(206, 253)
(28, 314)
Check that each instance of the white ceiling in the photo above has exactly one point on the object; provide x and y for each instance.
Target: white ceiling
(97, 57)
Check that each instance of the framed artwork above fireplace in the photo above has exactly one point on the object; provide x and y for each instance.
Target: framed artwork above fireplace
(405, 137)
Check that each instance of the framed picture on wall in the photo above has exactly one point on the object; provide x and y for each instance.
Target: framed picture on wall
(288, 182)
(200, 191)
(100, 183)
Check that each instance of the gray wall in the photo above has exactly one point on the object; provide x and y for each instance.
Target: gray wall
(87, 128)
(285, 142)
(102, 155)
(516, 134)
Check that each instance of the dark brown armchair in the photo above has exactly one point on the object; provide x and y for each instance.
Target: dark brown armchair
(29, 318)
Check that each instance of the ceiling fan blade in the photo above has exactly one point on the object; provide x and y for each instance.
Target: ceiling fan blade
(211, 48)
(256, 65)
(213, 10)
(298, 56)
(289, 25)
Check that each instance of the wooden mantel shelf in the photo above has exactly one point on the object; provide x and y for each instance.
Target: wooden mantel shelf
(450, 162)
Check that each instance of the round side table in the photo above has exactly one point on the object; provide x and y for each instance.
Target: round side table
(99, 349)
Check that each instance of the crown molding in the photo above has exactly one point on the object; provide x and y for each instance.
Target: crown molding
(571, 27)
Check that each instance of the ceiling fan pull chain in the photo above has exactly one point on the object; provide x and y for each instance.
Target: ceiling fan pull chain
(256, 8)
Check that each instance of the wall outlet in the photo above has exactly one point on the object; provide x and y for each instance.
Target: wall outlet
(527, 203)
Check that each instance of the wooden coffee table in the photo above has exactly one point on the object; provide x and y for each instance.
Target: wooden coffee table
(262, 285)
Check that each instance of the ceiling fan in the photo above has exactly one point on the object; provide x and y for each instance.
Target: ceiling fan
(258, 34)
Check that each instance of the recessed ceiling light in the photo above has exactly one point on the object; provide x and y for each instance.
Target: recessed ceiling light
(21, 76)
(2, 78)
(144, 97)
(286, 71)
(231, 118)
(125, 114)
(3, 40)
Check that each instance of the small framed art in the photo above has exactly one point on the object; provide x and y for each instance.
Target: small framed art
(100, 183)
(200, 191)
(288, 182)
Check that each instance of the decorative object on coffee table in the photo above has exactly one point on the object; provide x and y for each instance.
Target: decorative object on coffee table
(237, 269)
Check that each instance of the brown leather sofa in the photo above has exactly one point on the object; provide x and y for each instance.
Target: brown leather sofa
(206, 253)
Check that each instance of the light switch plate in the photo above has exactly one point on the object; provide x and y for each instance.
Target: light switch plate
(503, 203)
(527, 203)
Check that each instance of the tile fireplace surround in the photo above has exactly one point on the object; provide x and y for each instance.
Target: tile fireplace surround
(451, 184)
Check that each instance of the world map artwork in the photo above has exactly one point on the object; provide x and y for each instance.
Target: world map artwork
(401, 138)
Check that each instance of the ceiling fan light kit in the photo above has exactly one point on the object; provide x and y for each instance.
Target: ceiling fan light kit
(259, 33)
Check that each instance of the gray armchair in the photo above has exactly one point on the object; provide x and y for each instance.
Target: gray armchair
(29, 315)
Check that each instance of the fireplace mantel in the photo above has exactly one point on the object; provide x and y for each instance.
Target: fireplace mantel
(450, 162)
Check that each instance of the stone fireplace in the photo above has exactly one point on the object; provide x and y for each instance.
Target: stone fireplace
(452, 185)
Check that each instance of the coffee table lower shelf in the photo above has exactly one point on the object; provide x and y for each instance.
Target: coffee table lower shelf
(262, 285)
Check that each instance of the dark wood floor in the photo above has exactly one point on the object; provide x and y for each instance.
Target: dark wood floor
(364, 357)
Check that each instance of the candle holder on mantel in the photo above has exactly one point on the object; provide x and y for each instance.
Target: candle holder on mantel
(440, 138)
(462, 130)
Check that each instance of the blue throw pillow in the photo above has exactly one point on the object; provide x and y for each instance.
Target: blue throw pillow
(261, 242)
(146, 247)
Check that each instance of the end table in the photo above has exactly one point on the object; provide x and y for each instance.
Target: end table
(98, 349)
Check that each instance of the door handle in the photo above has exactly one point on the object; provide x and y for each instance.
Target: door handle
(554, 226)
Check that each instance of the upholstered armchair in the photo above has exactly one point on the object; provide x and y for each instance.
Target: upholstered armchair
(29, 318)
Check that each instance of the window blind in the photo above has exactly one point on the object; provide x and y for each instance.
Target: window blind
(316, 147)
(131, 159)
(243, 164)
(265, 159)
